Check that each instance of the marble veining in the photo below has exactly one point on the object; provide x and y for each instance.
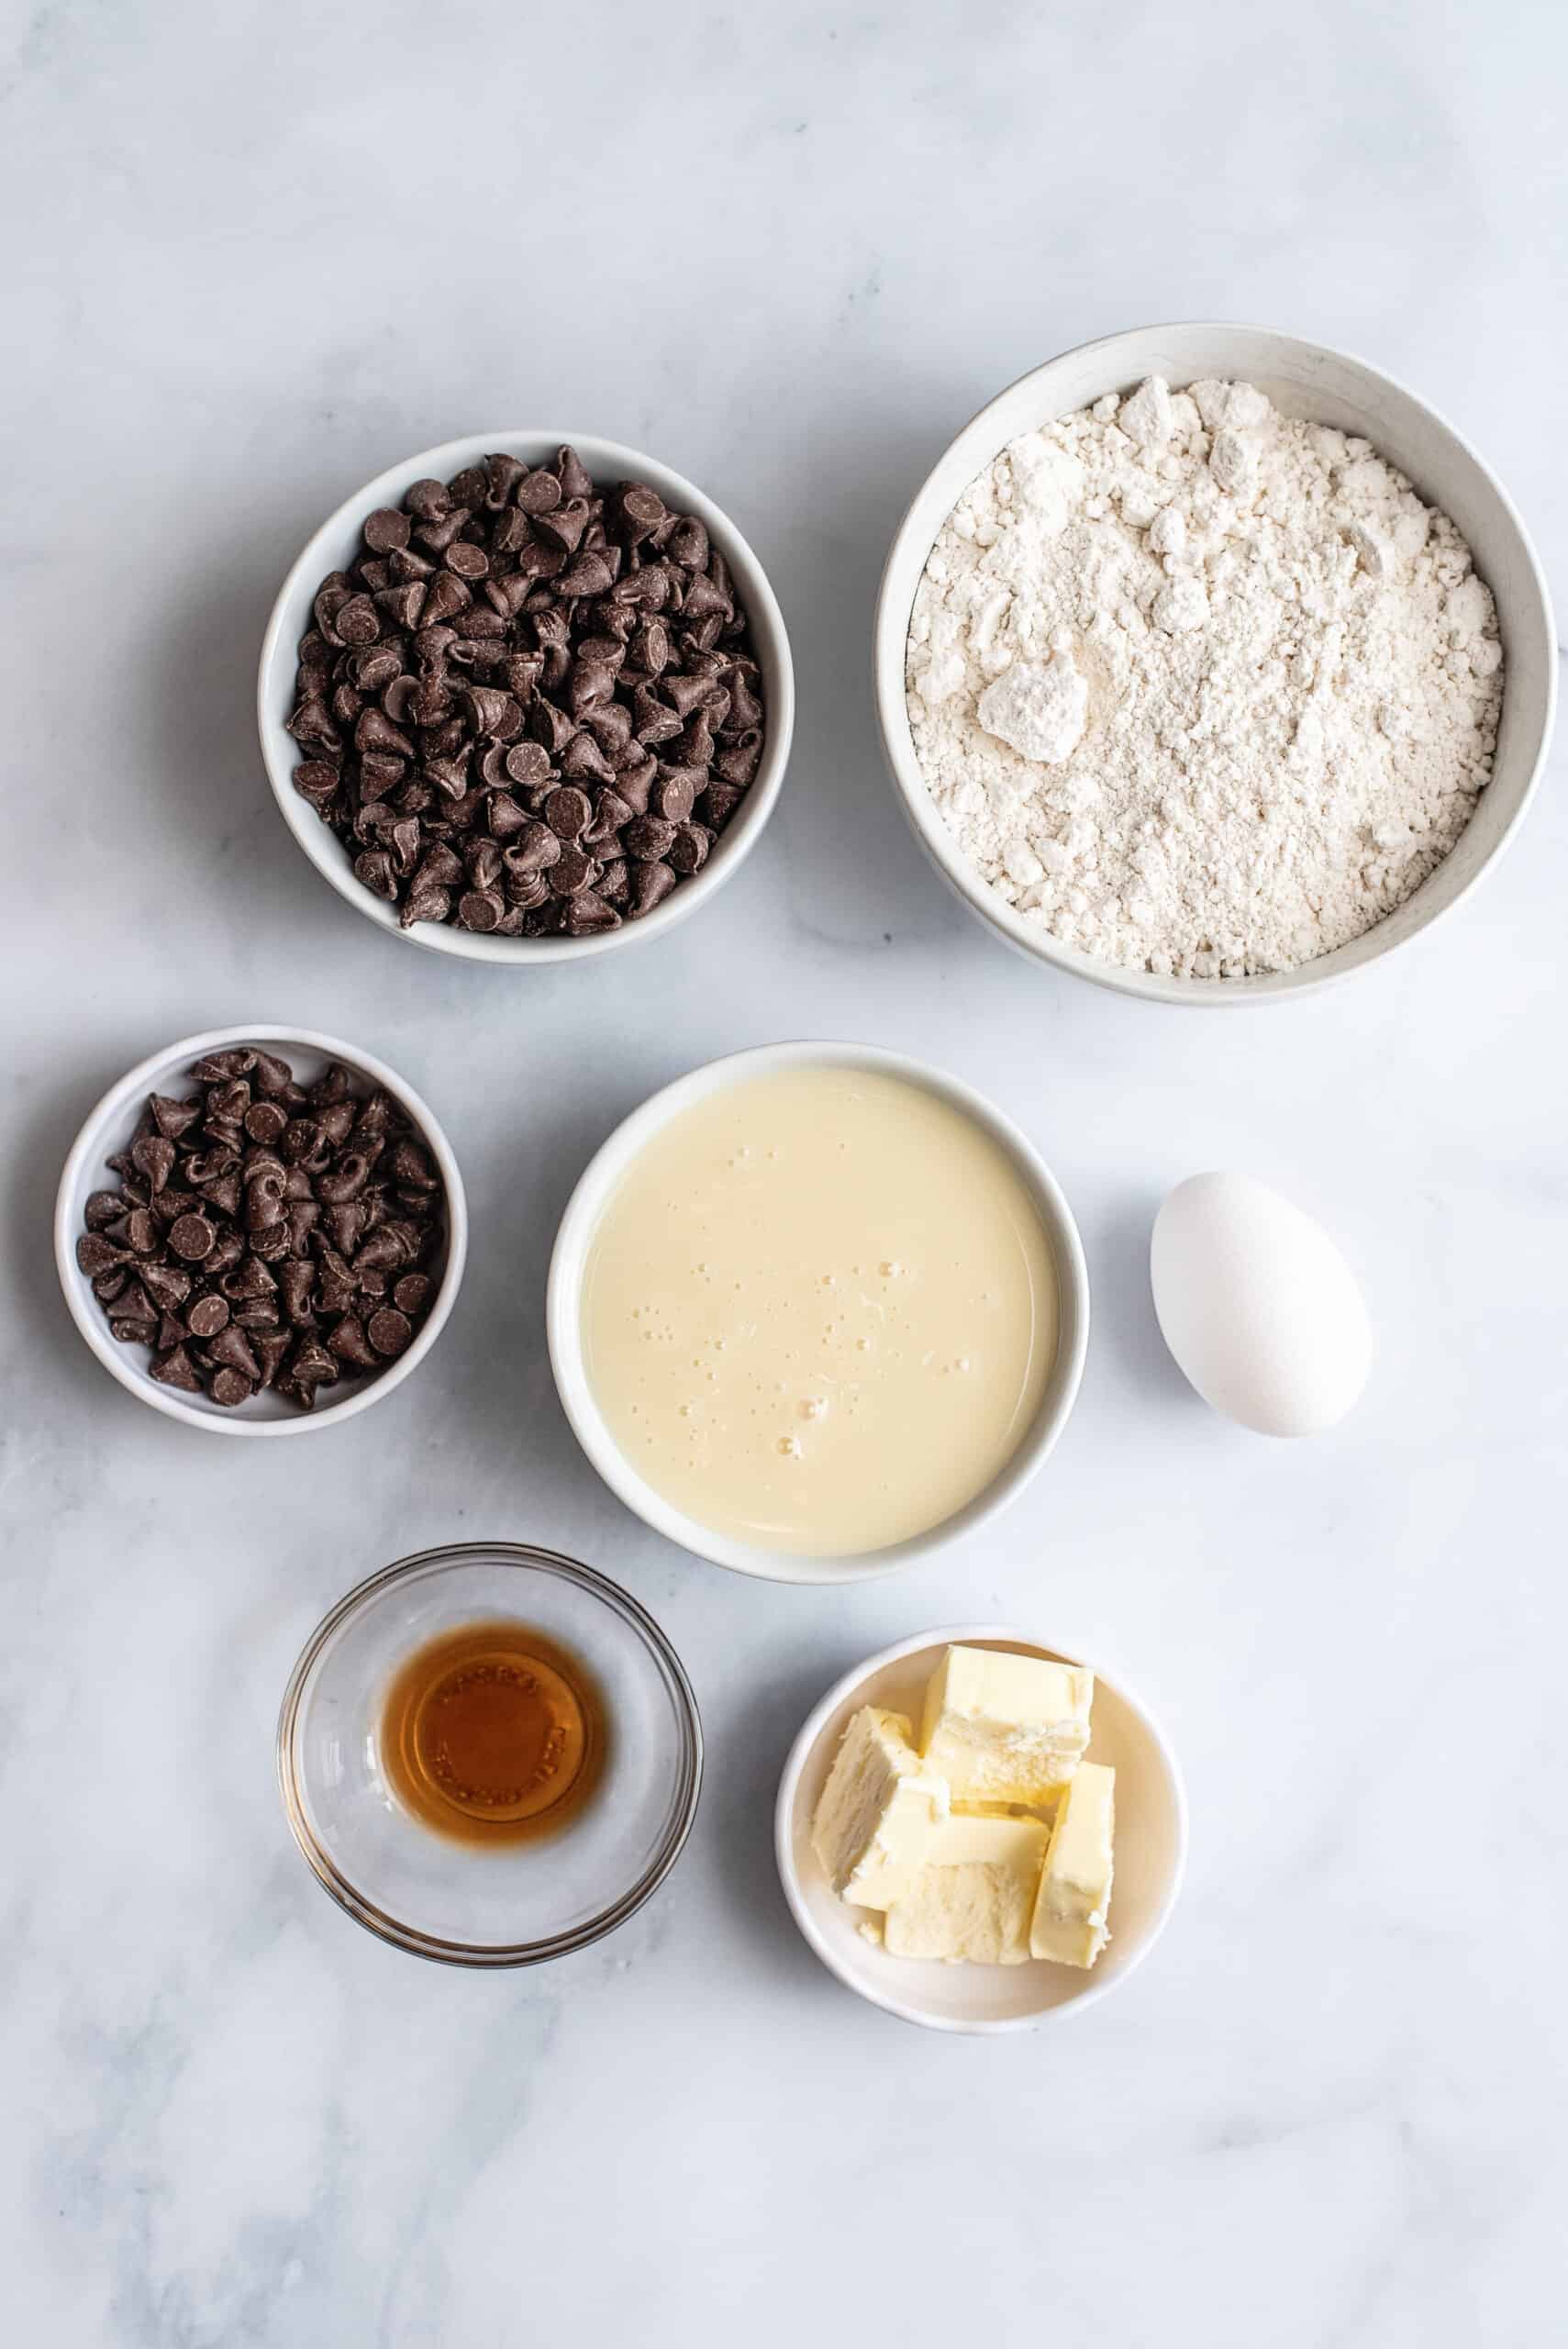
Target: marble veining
(258, 254)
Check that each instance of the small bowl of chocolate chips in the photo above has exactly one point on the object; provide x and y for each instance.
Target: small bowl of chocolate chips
(522, 699)
(261, 1231)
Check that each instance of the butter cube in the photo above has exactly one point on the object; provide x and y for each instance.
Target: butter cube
(1068, 1923)
(974, 1897)
(877, 1810)
(1005, 1728)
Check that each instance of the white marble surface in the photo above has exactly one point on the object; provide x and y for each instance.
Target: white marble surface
(264, 252)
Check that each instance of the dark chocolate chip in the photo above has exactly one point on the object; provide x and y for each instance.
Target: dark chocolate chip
(389, 1331)
(688, 851)
(351, 1345)
(648, 838)
(153, 1157)
(386, 529)
(588, 912)
(567, 811)
(207, 1316)
(651, 883)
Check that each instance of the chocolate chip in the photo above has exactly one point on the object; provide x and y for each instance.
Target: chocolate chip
(688, 851)
(675, 793)
(535, 850)
(737, 763)
(501, 639)
(480, 910)
(222, 1068)
(573, 475)
(265, 1121)
(232, 1348)
(347, 1179)
(94, 1254)
(719, 802)
(349, 1344)
(583, 760)
(385, 528)
(567, 811)
(570, 873)
(389, 1331)
(589, 574)
(648, 838)
(537, 492)
(173, 1118)
(217, 1190)
(153, 1156)
(166, 1285)
(528, 764)
(642, 511)
(587, 913)
(358, 621)
(563, 525)
(651, 883)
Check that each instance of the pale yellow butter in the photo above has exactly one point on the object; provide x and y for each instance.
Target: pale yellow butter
(873, 1821)
(1003, 1728)
(1070, 1915)
(973, 1897)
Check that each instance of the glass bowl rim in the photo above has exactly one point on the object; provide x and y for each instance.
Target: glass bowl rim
(688, 1789)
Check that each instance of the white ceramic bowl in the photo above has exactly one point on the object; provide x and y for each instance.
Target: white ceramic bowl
(1303, 380)
(563, 1313)
(109, 1129)
(1151, 1850)
(337, 543)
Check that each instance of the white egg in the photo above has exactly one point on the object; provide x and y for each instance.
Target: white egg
(1257, 1306)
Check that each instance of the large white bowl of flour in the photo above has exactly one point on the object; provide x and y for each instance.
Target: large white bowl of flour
(1055, 739)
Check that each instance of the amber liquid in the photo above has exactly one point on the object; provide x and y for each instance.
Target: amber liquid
(493, 1734)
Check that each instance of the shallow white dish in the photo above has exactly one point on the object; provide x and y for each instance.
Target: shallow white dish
(564, 1312)
(1303, 380)
(109, 1129)
(1151, 1850)
(337, 543)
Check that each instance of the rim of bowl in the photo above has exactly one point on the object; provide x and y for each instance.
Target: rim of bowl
(564, 1323)
(890, 633)
(808, 1736)
(528, 1557)
(83, 1306)
(733, 845)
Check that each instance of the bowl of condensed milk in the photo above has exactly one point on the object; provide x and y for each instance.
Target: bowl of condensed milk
(815, 1309)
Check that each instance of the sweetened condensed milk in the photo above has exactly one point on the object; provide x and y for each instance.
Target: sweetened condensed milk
(820, 1310)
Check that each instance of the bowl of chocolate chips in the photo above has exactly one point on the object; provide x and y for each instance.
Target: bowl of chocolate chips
(261, 1231)
(522, 699)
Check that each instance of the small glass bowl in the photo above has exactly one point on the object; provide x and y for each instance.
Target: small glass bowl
(519, 1904)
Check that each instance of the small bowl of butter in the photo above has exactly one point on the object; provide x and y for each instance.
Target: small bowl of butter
(977, 1831)
(815, 1309)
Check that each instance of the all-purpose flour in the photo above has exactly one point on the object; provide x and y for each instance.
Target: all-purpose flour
(1200, 689)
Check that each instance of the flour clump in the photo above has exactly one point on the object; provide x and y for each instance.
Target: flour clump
(1199, 688)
